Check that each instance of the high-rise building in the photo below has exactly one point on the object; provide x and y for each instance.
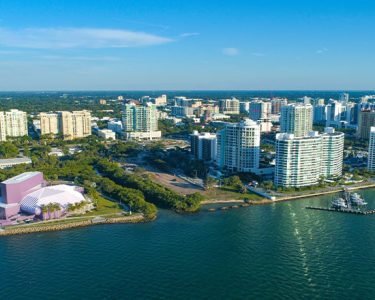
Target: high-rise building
(229, 106)
(365, 122)
(344, 97)
(371, 151)
(296, 119)
(3, 129)
(161, 100)
(140, 121)
(276, 104)
(302, 161)
(320, 114)
(76, 124)
(65, 122)
(49, 123)
(81, 123)
(244, 107)
(203, 146)
(13, 123)
(239, 146)
(260, 110)
(332, 153)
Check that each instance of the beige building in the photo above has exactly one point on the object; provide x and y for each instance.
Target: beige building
(49, 123)
(70, 125)
(81, 123)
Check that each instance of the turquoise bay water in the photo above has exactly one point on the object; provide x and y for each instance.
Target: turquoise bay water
(281, 251)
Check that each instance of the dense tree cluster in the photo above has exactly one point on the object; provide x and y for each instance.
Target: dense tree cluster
(153, 192)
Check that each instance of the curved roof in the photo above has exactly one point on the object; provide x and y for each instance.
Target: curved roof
(61, 194)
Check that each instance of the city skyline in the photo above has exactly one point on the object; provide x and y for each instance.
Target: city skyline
(163, 45)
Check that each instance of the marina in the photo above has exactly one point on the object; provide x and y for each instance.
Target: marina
(347, 202)
(349, 211)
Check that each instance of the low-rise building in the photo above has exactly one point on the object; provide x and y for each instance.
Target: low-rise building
(106, 134)
(7, 163)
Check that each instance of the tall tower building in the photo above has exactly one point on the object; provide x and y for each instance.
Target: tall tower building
(260, 110)
(332, 153)
(203, 146)
(229, 106)
(140, 121)
(296, 119)
(49, 123)
(16, 123)
(365, 122)
(302, 161)
(65, 121)
(3, 129)
(81, 121)
(276, 105)
(371, 151)
(239, 146)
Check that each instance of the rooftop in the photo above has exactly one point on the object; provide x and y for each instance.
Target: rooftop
(20, 178)
(15, 160)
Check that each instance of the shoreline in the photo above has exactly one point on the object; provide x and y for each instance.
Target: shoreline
(36, 228)
(265, 201)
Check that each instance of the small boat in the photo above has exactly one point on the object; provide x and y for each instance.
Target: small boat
(357, 200)
(339, 203)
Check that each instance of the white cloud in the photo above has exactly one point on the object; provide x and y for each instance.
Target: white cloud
(60, 38)
(321, 51)
(187, 34)
(257, 54)
(231, 51)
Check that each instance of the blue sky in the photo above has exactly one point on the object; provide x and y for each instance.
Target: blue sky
(187, 44)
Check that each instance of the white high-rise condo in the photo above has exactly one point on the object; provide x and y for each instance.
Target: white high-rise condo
(238, 146)
(371, 151)
(13, 123)
(302, 161)
(296, 119)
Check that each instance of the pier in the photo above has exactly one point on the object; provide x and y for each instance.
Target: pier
(348, 211)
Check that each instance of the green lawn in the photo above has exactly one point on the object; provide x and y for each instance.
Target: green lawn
(104, 206)
(228, 193)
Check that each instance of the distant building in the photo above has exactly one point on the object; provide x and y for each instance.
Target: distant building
(102, 102)
(107, 134)
(320, 114)
(11, 162)
(260, 110)
(229, 106)
(244, 107)
(140, 121)
(49, 123)
(365, 122)
(371, 151)
(161, 100)
(115, 126)
(239, 146)
(276, 104)
(76, 124)
(13, 123)
(296, 119)
(203, 146)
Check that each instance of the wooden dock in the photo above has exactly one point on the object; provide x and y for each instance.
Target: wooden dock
(348, 211)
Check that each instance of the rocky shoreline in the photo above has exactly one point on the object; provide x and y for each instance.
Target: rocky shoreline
(70, 225)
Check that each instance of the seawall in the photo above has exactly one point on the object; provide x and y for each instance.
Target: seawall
(70, 225)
